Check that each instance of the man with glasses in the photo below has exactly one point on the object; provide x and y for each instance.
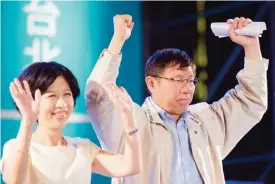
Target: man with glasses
(181, 143)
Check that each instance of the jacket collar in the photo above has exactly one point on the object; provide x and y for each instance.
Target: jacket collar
(154, 117)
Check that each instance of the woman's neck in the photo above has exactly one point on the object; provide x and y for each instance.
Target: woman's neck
(48, 137)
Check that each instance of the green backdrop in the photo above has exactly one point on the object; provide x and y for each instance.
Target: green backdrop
(73, 34)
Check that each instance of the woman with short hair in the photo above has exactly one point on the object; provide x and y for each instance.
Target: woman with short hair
(46, 93)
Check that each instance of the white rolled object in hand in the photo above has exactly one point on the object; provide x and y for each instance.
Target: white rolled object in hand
(220, 29)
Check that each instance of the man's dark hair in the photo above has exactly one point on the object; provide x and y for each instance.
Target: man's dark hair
(169, 57)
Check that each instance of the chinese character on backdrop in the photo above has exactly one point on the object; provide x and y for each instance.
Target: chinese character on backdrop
(41, 25)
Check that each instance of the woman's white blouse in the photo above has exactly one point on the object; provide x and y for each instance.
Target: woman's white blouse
(71, 164)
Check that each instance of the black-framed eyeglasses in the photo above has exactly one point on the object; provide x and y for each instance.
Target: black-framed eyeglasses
(179, 82)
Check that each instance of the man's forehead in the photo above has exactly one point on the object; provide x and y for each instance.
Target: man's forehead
(179, 70)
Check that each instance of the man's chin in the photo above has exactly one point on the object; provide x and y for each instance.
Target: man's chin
(183, 105)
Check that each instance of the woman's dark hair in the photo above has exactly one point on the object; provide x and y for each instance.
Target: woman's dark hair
(40, 75)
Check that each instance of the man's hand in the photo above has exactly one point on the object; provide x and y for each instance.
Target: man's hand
(123, 27)
(251, 44)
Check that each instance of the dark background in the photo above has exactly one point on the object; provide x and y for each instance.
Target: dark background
(174, 24)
